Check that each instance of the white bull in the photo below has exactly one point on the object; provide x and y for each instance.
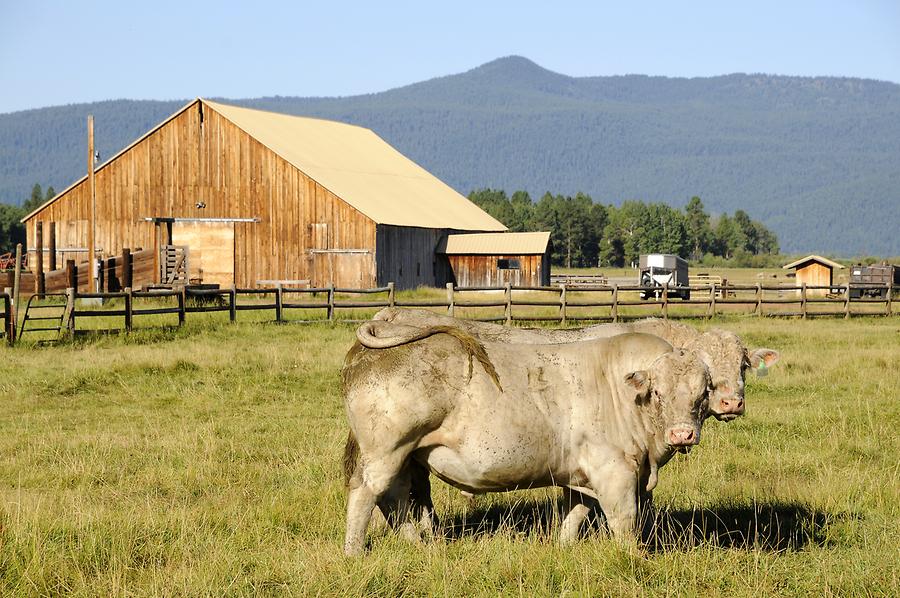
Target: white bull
(598, 417)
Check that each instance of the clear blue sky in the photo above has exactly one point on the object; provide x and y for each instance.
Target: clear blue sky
(58, 52)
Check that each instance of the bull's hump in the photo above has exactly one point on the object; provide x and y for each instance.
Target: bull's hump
(640, 344)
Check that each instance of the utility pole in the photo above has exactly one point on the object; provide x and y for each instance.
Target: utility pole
(91, 257)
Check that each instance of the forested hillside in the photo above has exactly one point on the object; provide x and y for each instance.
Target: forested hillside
(817, 160)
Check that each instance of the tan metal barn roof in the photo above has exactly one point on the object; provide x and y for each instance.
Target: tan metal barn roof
(362, 169)
(353, 163)
(813, 258)
(496, 244)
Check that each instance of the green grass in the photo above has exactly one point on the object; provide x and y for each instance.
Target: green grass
(205, 461)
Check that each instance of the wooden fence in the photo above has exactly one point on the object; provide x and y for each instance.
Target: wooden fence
(507, 304)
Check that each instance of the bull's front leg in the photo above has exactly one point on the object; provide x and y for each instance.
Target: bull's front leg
(577, 511)
(615, 482)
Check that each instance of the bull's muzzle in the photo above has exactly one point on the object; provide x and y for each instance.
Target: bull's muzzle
(682, 436)
(729, 408)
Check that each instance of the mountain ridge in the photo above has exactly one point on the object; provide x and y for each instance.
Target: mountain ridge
(794, 152)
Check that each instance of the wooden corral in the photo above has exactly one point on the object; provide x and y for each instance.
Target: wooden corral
(495, 259)
(814, 270)
(264, 196)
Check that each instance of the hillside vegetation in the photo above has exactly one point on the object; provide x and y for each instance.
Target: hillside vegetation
(813, 158)
(207, 462)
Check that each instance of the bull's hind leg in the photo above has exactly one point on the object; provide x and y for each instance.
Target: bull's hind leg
(385, 481)
(395, 506)
(420, 496)
(360, 503)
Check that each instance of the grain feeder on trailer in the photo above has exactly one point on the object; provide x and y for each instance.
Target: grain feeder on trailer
(662, 270)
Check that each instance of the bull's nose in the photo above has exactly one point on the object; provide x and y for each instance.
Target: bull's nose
(682, 437)
(733, 405)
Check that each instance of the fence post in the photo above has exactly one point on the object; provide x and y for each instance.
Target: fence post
(330, 301)
(803, 300)
(391, 294)
(71, 275)
(71, 292)
(615, 302)
(127, 269)
(181, 306)
(712, 302)
(507, 294)
(889, 297)
(847, 301)
(562, 303)
(17, 279)
(7, 311)
(39, 258)
(128, 312)
(232, 304)
(450, 308)
(279, 303)
(665, 305)
(759, 299)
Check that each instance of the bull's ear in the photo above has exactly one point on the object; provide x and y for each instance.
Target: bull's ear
(640, 381)
(761, 359)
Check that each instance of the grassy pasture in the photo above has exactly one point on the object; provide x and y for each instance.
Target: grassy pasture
(205, 461)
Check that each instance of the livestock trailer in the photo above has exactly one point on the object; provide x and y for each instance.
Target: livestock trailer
(873, 281)
(658, 270)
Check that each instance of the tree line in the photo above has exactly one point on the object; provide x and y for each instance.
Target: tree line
(589, 234)
(12, 230)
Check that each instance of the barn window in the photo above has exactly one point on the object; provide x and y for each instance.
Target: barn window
(508, 264)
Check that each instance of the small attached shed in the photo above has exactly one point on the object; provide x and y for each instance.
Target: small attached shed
(814, 270)
(494, 259)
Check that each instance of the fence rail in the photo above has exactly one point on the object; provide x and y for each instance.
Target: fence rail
(509, 303)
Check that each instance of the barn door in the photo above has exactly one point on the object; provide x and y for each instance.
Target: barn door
(211, 246)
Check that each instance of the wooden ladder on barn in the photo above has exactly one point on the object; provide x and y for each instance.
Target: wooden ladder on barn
(49, 317)
(174, 266)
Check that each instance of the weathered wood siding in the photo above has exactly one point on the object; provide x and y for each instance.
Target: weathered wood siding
(199, 156)
(406, 256)
(482, 270)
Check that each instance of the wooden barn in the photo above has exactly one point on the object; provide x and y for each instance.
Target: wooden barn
(814, 270)
(254, 198)
(494, 259)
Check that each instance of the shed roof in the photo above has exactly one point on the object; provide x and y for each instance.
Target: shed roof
(362, 169)
(813, 258)
(495, 244)
(353, 163)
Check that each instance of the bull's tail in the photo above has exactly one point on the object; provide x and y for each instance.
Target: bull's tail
(351, 458)
(384, 335)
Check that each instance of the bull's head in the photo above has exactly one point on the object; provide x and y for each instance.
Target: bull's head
(728, 362)
(677, 385)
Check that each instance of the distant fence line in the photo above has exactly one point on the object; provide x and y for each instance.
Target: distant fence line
(567, 304)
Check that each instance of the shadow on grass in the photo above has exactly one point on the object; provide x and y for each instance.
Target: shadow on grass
(770, 526)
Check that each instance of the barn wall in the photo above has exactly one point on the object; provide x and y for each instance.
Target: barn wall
(406, 256)
(481, 270)
(185, 162)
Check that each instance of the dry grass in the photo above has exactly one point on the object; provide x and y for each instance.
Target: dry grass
(206, 462)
